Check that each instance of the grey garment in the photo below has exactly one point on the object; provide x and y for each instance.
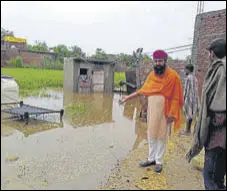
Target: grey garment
(217, 128)
(191, 98)
(213, 99)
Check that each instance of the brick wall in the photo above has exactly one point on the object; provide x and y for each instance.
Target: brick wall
(177, 65)
(208, 26)
(28, 57)
(7, 55)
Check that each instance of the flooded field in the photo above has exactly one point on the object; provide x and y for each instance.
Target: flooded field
(78, 153)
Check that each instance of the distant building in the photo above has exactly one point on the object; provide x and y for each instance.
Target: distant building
(12, 42)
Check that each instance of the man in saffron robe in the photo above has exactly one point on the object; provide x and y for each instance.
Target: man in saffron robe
(165, 100)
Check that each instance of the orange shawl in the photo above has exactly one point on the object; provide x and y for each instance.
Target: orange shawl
(169, 85)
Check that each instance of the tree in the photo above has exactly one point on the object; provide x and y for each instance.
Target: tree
(62, 51)
(100, 54)
(39, 46)
(75, 51)
(126, 59)
(5, 32)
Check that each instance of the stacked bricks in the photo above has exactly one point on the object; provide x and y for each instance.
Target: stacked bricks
(208, 27)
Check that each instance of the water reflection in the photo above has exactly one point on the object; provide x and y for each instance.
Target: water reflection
(94, 109)
(81, 110)
(72, 157)
(141, 133)
(33, 127)
(129, 109)
(88, 109)
(132, 111)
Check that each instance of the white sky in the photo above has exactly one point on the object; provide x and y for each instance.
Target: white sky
(114, 26)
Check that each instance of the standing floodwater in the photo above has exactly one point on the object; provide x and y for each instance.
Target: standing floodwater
(96, 133)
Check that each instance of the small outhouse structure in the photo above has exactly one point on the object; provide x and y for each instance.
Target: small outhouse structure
(88, 75)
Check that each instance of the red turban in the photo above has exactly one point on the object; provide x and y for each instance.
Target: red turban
(160, 54)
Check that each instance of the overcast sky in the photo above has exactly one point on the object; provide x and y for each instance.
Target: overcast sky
(114, 26)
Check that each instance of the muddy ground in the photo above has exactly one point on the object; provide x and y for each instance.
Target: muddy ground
(177, 173)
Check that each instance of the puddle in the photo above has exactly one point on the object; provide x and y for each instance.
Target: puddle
(95, 134)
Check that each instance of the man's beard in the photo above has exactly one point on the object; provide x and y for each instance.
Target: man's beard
(159, 70)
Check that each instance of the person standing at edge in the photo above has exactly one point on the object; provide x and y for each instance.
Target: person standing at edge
(191, 98)
(165, 100)
(210, 129)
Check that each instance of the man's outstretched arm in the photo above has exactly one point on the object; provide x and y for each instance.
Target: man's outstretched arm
(131, 96)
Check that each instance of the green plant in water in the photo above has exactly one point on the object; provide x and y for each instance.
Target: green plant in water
(77, 109)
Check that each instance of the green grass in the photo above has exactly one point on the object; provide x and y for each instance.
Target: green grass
(119, 76)
(31, 81)
(77, 109)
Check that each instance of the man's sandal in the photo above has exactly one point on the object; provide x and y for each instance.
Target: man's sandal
(147, 163)
(158, 168)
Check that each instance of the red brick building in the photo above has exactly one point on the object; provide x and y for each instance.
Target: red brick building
(208, 26)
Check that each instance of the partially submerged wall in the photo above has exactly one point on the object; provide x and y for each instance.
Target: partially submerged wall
(88, 76)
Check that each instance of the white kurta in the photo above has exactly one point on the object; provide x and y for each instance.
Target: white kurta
(158, 129)
(156, 120)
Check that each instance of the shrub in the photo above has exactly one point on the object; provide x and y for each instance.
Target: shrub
(16, 63)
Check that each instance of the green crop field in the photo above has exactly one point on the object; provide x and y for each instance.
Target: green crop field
(31, 81)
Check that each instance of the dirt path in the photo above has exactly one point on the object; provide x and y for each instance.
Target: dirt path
(177, 174)
(181, 175)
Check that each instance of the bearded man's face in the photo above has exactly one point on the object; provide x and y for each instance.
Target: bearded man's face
(159, 66)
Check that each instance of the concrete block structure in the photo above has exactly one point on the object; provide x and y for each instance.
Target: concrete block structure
(88, 76)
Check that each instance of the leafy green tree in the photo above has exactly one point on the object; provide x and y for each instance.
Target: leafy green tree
(38, 46)
(75, 51)
(100, 54)
(62, 51)
(126, 59)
